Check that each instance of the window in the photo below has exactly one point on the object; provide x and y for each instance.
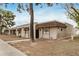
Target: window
(46, 31)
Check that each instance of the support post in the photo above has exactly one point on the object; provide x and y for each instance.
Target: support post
(9, 32)
(34, 31)
(16, 32)
(22, 32)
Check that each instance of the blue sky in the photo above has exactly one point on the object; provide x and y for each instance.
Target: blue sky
(43, 14)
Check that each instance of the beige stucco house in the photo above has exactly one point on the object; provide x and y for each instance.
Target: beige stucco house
(54, 30)
(48, 30)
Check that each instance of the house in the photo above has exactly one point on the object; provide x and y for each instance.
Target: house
(76, 30)
(46, 30)
(54, 30)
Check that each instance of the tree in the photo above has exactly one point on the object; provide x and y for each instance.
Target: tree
(6, 19)
(31, 22)
(72, 12)
(73, 15)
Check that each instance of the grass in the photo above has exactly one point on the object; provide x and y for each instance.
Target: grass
(49, 47)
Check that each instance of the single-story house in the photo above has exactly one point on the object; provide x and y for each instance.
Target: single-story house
(76, 30)
(46, 30)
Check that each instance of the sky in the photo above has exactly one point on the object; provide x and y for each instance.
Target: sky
(44, 14)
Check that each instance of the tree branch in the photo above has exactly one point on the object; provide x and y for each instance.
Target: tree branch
(75, 10)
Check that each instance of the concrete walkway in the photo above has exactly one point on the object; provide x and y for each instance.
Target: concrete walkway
(7, 50)
(16, 41)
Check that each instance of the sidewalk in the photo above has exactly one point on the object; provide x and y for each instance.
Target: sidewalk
(7, 50)
(16, 41)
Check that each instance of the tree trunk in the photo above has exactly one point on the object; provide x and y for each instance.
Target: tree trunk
(31, 22)
(1, 30)
(0, 25)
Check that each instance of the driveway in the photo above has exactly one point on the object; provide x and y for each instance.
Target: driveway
(7, 50)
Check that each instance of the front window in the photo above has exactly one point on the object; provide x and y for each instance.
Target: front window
(46, 31)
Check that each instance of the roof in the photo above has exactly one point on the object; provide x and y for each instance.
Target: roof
(51, 24)
(22, 26)
(43, 25)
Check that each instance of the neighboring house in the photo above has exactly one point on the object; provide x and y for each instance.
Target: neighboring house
(47, 30)
(76, 31)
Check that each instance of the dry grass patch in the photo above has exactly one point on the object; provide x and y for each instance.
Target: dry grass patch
(49, 48)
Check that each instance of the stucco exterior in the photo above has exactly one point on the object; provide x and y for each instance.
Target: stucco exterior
(22, 31)
(48, 33)
(54, 31)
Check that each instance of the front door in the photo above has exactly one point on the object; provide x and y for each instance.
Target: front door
(37, 33)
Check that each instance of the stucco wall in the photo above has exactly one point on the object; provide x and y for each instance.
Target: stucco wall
(22, 32)
(61, 33)
(53, 33)
(56, 33)
(66, 32)
(76, 32)
(17, 32)
(50, 34)
(46, 34)
(40, 33)
(27, 34)
(69, 30)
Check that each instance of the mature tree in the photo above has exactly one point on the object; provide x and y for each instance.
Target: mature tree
(6, 19)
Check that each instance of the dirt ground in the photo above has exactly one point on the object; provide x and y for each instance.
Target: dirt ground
(49, 47)
(45, 47)
(9, 37)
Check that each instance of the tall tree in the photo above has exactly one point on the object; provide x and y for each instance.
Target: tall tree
(6, 19)
(31, 22)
